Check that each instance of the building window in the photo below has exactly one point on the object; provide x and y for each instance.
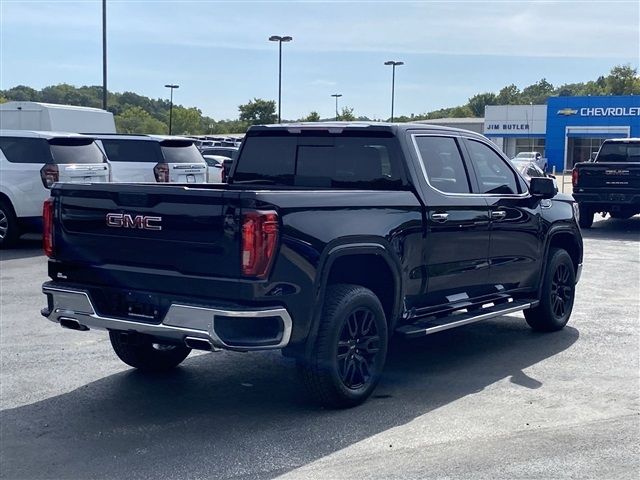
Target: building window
(580, 149)
(530, 145)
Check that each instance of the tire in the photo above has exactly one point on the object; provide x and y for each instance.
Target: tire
(338, 374)
(9, 230)
(557, 295)
(586, 216)
(145, 355)
(621, 215)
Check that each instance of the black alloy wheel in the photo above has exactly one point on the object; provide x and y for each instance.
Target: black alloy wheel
(557, 294)
(346, 360)
(358, 348)
(562, 291)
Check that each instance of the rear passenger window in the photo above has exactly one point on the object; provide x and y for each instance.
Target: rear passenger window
(494, 176)
(25, 150)
(119, 150)
(443, 164)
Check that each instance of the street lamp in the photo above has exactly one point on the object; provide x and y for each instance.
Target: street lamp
(104, 54)
(171, 87)
(337, 95)
(393, 81)
(279, 39)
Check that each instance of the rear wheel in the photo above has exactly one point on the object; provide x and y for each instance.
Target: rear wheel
(142, 353)
(350, 350)
(621, 215)
(586, 216)
(557, 296)
(9, 231)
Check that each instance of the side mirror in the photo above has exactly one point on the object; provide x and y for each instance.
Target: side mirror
(543, 187)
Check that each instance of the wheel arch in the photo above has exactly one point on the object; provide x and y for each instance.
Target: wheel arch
(566, 239)
(363, 263)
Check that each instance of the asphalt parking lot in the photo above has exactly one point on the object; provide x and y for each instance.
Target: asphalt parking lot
(491, 400)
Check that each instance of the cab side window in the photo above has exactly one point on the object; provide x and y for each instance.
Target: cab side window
(443, 164)
(493, 173)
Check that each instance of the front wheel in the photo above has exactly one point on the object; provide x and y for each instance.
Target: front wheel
(347, 359)
(586, 216)
(557, 296)
(141, 353)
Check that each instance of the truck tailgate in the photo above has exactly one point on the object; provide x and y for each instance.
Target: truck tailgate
(621, 175)
(172, 228)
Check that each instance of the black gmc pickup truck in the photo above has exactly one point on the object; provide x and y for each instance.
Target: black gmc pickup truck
(611, 183)
(328, 239)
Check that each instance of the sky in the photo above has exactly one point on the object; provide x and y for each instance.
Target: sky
(219, 54)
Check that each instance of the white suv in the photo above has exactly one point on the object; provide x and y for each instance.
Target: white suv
(30, 163)
(152, 158)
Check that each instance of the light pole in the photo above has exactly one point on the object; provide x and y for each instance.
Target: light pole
(279, 39)
(104, 54)
(393, 81)
(171, 87)
(337, 95)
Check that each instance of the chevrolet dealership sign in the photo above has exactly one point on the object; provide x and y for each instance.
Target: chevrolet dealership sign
(601, 111)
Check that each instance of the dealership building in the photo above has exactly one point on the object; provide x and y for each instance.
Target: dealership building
(567, 130)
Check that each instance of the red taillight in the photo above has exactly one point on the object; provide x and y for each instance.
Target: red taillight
(49, 174)
(161, 171)
(574, 177)
(47, 227)
(259, 241)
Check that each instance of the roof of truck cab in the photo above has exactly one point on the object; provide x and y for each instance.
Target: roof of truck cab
(355, 125)
(623, 140)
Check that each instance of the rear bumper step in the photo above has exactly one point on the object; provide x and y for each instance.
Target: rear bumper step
(435, 325)
(258, 329)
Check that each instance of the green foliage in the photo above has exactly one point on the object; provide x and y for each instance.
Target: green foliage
(346, 114)
(186, 121)
(312, 117)
(136, 120)
(478, 102)
(258, 111)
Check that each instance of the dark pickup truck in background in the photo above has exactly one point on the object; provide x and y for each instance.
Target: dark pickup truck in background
(611, 183)
(328, 239)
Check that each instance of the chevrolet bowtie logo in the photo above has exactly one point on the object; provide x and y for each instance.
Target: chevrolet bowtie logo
(567, 111)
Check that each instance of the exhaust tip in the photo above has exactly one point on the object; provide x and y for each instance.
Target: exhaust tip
(72, 324)
(199, 344)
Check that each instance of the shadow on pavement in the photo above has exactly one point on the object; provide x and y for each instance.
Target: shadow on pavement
(613, 229)
(28, 246)
(222, 415)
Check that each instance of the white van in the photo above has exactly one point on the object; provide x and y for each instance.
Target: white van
(30, 163)
(152, 158)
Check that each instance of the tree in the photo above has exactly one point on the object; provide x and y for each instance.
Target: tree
(312, 117)
(538, 93)
(509, 95)
(186, 121)
(479, 101)
(258, 111)
(623, 80)
(346, 114)
(136, 120)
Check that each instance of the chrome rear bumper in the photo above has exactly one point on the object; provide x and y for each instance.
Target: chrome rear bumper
(182, 322)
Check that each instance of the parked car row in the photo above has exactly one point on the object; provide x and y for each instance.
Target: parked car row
(31, 162)
(536, 157)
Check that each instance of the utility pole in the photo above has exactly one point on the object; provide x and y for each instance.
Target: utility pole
(280, 39)
(337, 96)
(393, 64)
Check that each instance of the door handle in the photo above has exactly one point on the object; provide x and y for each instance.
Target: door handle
(439, 217)
(498, 215)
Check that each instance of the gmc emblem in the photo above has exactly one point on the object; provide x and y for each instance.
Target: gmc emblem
(124, 220)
